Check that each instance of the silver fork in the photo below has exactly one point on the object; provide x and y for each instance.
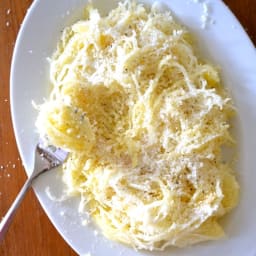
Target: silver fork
(46, 158)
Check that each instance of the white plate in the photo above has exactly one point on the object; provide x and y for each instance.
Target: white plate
(224, 42)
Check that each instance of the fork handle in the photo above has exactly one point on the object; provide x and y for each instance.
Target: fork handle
(7, 219)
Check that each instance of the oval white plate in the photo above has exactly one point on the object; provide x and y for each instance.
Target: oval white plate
(223, 41)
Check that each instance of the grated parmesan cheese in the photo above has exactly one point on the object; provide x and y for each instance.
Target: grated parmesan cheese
(144, 120)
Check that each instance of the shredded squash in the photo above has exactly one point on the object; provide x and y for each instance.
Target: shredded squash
(144, 120)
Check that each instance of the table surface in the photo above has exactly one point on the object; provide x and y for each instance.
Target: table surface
(32, 233)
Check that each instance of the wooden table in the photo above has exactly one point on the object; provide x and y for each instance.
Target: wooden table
(31, 232)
